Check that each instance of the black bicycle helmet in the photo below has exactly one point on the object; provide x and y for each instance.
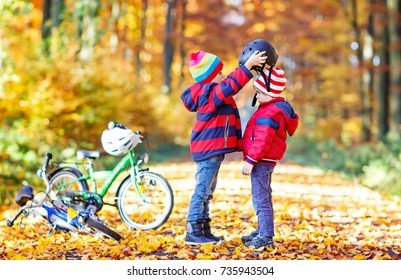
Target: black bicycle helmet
(258, 45)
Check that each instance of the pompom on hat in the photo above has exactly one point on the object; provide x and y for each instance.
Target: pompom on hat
(275, 80)
(204, 66)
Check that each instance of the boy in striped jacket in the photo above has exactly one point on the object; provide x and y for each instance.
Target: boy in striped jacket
(264, 144)
(217, 131)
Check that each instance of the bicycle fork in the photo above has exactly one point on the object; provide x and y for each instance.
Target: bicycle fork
(137, 180)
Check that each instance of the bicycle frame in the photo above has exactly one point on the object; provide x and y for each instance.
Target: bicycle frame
(59, 219)
(111, 175)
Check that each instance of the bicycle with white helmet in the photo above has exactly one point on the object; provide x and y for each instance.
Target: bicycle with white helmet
(144, 199)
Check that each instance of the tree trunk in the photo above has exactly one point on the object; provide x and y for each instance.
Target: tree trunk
(384, 85)
(168, 47)
(181, 42)
(368, 72)
(46, 25)
(371, 90)
(365, 107)
(395, 65)
(87, 30)
(53, 14)
(138, 63)
(57, 15)
(114, 39)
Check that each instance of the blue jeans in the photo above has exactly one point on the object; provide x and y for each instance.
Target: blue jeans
(206, 181)
(262, 198)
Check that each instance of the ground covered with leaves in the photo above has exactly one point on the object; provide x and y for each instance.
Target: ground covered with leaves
(317, 217)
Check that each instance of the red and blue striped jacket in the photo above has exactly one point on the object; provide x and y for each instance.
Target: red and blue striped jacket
(217, 128)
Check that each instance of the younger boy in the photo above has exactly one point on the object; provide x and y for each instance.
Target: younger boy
(264, 145)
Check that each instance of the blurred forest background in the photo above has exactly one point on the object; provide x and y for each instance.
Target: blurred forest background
(68, 67)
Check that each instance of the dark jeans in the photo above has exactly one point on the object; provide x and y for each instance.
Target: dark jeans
(262, 198)
(206, 181)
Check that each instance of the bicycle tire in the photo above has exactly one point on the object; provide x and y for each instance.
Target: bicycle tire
(68, 177)
(149, 214)
(102, 229)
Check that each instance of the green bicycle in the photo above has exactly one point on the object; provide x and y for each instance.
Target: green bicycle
(144, 199)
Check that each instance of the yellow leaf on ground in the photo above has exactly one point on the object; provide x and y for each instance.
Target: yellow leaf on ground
(201, 256)
(145, 249)
(17, 257)
(222, 250)
(238, 252)
(207, 248)
(359, 257)
(184, 253)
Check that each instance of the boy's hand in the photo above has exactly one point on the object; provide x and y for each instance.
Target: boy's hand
(247, 168)
(256, 59)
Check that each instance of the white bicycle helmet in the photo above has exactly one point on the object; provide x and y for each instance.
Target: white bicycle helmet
(117, 140)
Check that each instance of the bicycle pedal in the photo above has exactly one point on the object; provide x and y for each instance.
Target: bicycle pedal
(53, 227)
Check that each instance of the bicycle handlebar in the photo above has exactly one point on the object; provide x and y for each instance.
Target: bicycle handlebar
(42, 171)
(34, 204)
(48, 157)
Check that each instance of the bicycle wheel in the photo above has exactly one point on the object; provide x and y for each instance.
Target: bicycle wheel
(66, 179)
(148, 209)
(102, 229)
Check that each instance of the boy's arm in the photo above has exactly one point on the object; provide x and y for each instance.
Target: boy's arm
(234, 82)
(230, 86)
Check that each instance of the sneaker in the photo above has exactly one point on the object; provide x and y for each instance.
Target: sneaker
(192, 240)
(196, 235)
(214, 237)
(247, 238)
(208, 232)
(261, 241)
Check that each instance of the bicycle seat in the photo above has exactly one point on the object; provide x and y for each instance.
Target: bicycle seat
(24, 194)
(81, 154)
